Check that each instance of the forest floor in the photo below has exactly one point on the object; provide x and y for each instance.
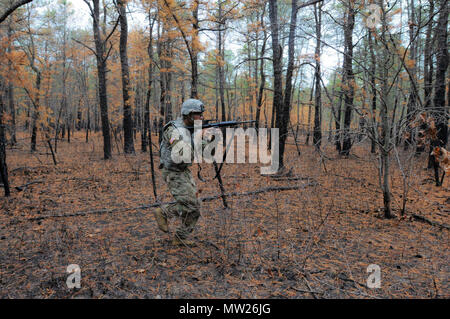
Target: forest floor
(316, 241)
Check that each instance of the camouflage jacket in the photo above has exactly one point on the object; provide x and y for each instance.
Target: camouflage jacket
(176, 138)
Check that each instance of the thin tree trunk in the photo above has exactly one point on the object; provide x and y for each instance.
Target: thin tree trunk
(412, 100)
(102, 88)
(3, 164)
(374, 92)
(221, 65)
(36, 112)
(149, 91)
(262, 73)
(385, 62)
(194, 58)
(427, 76)
(317, 136)
(10, 88)
(308, 134)
(348, 78)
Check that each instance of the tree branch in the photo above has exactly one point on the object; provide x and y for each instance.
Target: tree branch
(87, 47)
(13, 7)
(307, 4)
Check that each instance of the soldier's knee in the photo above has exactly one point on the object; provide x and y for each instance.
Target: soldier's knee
(191, 203)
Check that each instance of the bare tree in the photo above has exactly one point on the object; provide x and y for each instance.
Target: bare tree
(102, 55)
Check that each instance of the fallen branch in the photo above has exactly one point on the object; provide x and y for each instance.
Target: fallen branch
(292, 179)
(430, 222)
(203, 199)
(341, 277)
(23, 187)
(362, 181)
(306, 291)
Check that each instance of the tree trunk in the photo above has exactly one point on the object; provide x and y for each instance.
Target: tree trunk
(412, 100)
(439, 113)
(282, 106)
(88, 124)
(147, 127)
(128, 147)
(3, 165)
(262, 73)
(374, 92)
(277, 72)
(194, 49)
(427, 76)
(317, 136)
(221, 65)
(385, 141)
(311, 94)
(428, 60)
(348, 78)
(10, 88)
(36, 112)
(101, 71)
(442, 60)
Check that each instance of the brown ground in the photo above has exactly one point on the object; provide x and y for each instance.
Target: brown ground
(315, 242)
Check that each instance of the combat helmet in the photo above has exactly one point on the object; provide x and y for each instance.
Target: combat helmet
(192, 106)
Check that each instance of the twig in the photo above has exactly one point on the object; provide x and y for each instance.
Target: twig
(306, 291)
(309, 287)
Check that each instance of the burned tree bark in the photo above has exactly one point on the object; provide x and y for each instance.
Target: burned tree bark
(442, 61)
(317, 135)
(3, 165)
(282, 106)
(348, 77)
(128, 147)
(146, 140)
(101, 57)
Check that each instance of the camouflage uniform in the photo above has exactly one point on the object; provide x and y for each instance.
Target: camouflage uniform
(180, 182)
(178, 177)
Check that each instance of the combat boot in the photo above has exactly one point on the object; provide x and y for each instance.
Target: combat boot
(161, 220)
(183, 242)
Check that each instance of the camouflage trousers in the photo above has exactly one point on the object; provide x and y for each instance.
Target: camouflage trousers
(187, 207)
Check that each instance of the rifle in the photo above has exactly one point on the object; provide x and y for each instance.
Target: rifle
(206, 124)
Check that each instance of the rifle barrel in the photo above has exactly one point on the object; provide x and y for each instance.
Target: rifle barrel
(223, 124)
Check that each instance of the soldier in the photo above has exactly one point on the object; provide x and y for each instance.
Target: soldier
(178, 177)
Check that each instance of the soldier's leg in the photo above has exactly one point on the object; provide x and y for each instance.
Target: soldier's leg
(183, 188)
(171, 177)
